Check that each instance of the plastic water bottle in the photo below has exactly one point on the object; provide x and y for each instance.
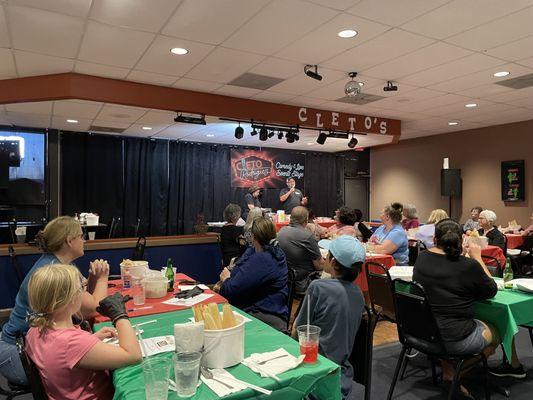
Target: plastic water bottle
(508, 275)
(126, 278)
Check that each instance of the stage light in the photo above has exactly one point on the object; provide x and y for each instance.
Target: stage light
(321, 139)
(280, 135)
(271, 133)
(290, 137)
(253, 133)
(390, 87)
(239, 132)
(263, 134)
(189, 119)
(312, 74)
(352, 143)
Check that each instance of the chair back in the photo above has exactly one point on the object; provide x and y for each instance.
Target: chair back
(138, 252)
(291, 282)
(14, 263)
(12, 230)
(493, 265)
(361, 356)
(417, 327)
(528, 244)
(380, 290)
(113, 227)
(32, 372)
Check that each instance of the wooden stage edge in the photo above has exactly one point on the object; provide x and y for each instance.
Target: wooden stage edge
(122, 243)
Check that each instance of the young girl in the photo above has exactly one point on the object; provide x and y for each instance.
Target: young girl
(73, 363)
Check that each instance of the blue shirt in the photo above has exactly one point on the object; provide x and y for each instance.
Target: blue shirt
(17, 319)
(258, 282)
(336, 306)
(397, 236)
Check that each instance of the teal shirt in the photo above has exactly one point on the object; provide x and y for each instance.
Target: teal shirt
(17, 319)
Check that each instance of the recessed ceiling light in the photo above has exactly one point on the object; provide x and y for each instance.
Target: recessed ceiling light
(147, 128)
(310, 143)
(501, 73)
(180, 51)
(347, 33)
(471, 105)
(453, 123)
(210, 135)
(361, 83)
(72, 121)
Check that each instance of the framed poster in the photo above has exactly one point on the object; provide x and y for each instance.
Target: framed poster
(513, 180)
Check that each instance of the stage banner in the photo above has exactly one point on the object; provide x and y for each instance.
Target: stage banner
(266, 168)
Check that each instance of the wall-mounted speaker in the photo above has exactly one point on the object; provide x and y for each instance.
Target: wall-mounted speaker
(450, 182)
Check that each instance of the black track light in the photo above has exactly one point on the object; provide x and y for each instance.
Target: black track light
(271, 133)
(263, 134)
(290, 137)
(312, 74)
(280, 135)
(239, 132)
(253, 133)
(352, 143)
(391, 87)
(321, 139)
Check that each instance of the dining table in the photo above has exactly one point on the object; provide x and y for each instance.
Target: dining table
(514, 240)
(385, 259)
(496, 252)
(322, 221)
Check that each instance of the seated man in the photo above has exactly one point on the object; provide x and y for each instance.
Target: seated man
(336, 305)
(301, 248)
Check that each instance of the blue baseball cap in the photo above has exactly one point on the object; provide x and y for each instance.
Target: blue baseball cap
(347, 250)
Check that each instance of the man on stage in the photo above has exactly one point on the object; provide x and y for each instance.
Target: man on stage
(291, 197)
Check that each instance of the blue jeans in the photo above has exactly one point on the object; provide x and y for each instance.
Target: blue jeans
(10, 365)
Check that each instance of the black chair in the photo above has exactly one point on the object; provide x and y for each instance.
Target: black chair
(415, 247)
(115, 222)
(34, 377)
(418, 329)
(138, 252)
(291, 281)
(16, 266)
(361, 357)
(380, 291)
(14, 391)
(493, 265)
(12, 230)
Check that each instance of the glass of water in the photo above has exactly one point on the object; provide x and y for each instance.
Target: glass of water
(186, 372)
(138, 291)
(156, 372)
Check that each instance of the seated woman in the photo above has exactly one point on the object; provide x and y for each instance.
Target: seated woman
(391, 238)
(410, 220)
(257, 283)
(73, 363)
(487, 218)
(364, 231)
(346, 220)
(452, 283)
(529, 230)
(472, 223)
(426, 232)
(232, 242)
(62, 243)
(317, 230)
(253, 214)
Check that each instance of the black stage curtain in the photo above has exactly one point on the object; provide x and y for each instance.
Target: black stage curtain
(91, 175)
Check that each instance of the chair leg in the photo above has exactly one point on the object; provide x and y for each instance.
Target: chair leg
(455, 382)
(404, 364)
(486, 370)
(396, 372)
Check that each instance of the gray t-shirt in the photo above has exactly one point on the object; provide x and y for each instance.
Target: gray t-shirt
(336, 306)
(300, 248)
(294, 200)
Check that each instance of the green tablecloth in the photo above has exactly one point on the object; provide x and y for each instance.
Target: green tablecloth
(322, 378)
(507, 310)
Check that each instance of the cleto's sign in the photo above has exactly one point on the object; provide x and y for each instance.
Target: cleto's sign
(347, 122)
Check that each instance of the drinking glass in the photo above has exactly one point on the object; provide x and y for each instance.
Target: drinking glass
(138, 291)
(308, 336)
(186, 372)
(156, 372)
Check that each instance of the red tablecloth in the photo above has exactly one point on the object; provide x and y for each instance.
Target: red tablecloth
(514, 241)
(385, 259)
(496, 252)
(157, 304)
(325, 224)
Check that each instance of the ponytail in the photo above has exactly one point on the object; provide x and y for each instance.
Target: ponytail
(448, 237)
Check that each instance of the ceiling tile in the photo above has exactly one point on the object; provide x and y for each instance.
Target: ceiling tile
(427, 57)
(62, 124)
(106, 71)
(512, 51)
(278, 68)
(458, 16)
(301, 83)
(29, 64)
(4, 36)
(210, 21)
(137, 130)
(151, 78)
(303, 101)
(438, 102)
(278, 24)
(273, 97)
(40, 107)
(464, 66)
(28, 120)
(196, 85)
(159, 59)
(499, 32)
(336, 4)
(178, 131)
(484, 91)
(75, 110)
(390, 45)
(121, 114)
(323, 42)
(111, 124)
(112, 45)
(223, 65)
(236, 91)
(76, 8)
(7, 66)
(528, 62)
(44, 32)
(157, 117)
(393, 12)
(137, 14)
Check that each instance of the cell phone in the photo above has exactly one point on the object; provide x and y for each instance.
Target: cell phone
(232, 263)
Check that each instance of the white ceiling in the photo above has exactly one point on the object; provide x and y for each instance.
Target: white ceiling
(441, 53)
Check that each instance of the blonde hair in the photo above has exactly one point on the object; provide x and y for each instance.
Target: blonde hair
(437, 215)
(253, 214)
(52, 287)
(57, 232)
